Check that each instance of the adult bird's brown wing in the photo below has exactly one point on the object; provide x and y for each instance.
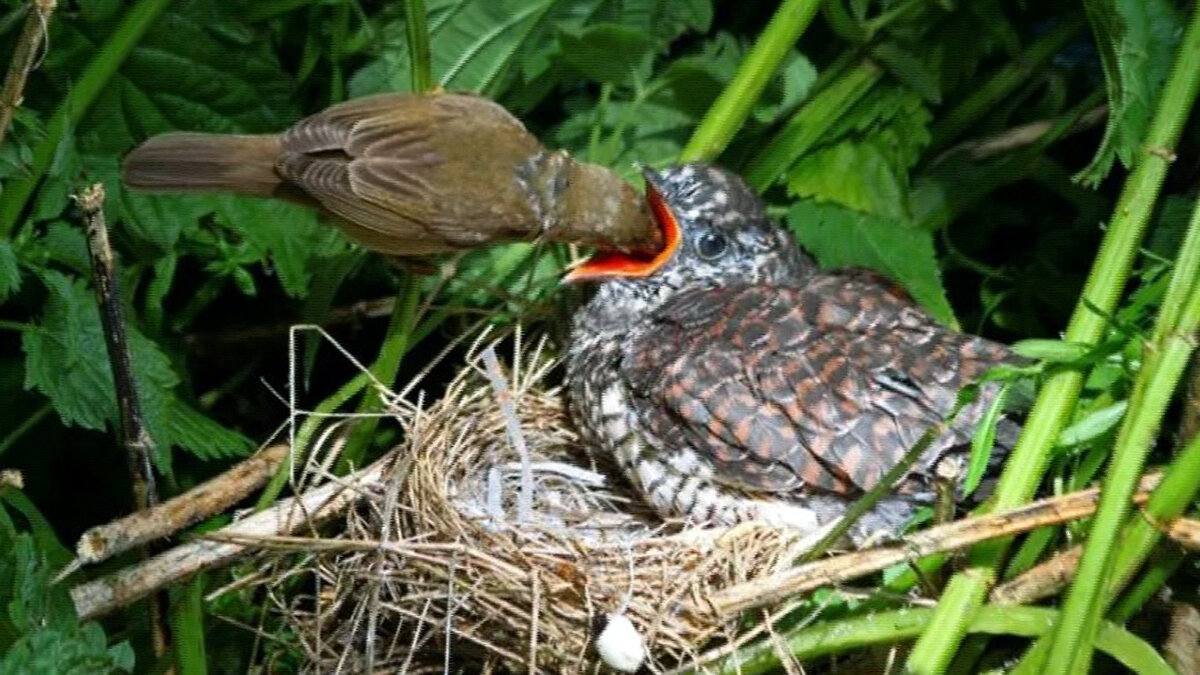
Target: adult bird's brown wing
(825, 386)
(406, 172)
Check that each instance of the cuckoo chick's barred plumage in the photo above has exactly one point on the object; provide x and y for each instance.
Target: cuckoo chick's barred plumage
(734, 380)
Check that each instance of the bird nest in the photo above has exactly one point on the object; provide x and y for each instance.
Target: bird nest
(495, 541)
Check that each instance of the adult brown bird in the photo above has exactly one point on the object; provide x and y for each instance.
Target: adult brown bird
(731, 379)
(409, 175)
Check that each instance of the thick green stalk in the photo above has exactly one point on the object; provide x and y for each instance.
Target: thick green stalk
(1025, 467)
(1169, 500)
(304, 436)
(1002, 84)
(1071, 650)
(1163, 366)
(809, 124)
(733, 106)
(95, 77)
(416, 31)
(896, 626)
(385, 370)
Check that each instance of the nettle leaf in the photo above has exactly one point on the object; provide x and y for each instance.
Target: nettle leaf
(608, 53)
(67, 360)
(484, 45)
(10, 272)
(1136, 40)
(661, 20)
(648, 132)
(868, 169)
(857, 175)
(291, 236)
(48, 639)
(692, 82)
(475, 44)
(839, 237)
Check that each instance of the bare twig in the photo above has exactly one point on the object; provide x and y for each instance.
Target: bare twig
(101, 596)
(1019, 137)
(1040, 581)
(139, 447)
(952, 536)
(34, 31)
(212, 497)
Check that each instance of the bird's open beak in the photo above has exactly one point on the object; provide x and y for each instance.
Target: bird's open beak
(611, 264)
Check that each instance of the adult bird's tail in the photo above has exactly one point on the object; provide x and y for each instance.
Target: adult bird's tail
(189, 162)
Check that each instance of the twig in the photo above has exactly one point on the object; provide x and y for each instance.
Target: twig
(134, 437)
(139, 447)
(1020, 137)
(952, 536)
(211, 497)
(1040, 581)
(101, 596)
(37, 24)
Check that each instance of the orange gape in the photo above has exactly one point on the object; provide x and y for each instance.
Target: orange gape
(410, 174)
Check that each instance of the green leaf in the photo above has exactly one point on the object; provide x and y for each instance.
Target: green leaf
(864, 161)
(855, 175)
(1136, 40)
(290, 236)
(608, 53)
(1094, 425)
(10, 272)
(66, 245)
(1054, 351)
(49, 640)
(983, 440)
(839, 237)
(475, 45)
(67, 360)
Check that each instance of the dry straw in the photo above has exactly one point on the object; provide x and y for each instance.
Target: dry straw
(436, 570)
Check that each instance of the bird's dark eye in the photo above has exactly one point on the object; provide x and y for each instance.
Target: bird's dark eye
(711, 245)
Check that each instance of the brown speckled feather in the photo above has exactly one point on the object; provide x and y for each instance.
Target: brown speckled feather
(824, 386)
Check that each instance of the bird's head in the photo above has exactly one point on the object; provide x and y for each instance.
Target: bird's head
(715, 232)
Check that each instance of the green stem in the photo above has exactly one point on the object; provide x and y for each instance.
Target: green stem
(23, 428)
(868, 501)
(1024, 470)
(809, 124)
(1161, 567)
(417, 33)
(1002, 84)
(896, 626)
(1166, 359)
(5, 324)
(733, 106)
(304, 436)
(385, 370)
(94, 79)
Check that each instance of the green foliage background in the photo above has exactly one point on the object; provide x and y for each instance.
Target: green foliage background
(865, 141)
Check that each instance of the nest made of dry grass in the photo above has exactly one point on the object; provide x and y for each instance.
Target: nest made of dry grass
(435, 570)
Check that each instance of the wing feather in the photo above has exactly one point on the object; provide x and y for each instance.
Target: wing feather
(825, 386)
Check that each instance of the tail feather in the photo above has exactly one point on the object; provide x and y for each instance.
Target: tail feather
(188, 162)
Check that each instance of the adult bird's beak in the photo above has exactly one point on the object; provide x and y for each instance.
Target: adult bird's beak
(612, 264)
